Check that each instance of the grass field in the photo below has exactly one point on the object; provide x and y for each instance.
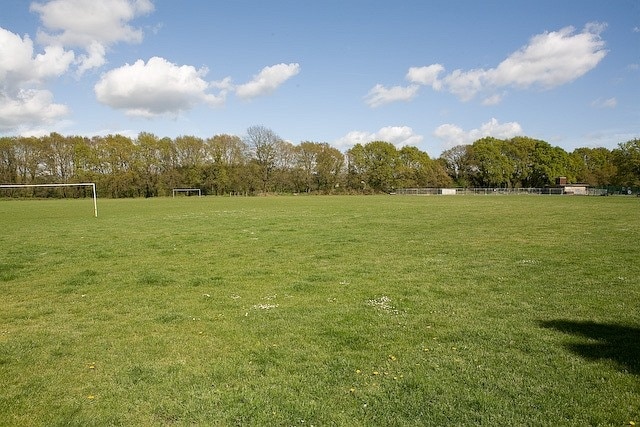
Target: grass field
(370, 310)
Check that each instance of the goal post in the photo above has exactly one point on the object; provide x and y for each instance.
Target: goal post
(81, 184)
(186, 190)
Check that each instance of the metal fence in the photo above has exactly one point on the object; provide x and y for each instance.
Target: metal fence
(504, 191)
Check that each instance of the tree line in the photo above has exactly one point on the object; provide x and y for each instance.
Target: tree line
(262, 162)
(523, 162)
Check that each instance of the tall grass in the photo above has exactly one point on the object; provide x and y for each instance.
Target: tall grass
(384, 310)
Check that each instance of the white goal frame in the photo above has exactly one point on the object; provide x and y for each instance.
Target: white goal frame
(185, 190)
(82, 184)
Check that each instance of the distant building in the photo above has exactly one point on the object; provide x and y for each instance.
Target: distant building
(578, 189)
(447, 191)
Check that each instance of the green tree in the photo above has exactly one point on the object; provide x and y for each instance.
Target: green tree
(374, 165)
(627, 159)
(415, 168)
(58, 159)
(190, 158)
(410, 167)
(329, 167)
(519, 151)
(456, 164)
(382, 158)
(226, 149)
(170, 177)
(85, 159)
(29, 156)
(488, 164)
(317, 166)
(263, 144)
(227, 155)
(356, 168)
(116, 157)
(283, 176)
(189, 151)
(306, 155)
(8, 166)
(549, 163)
(595, 166)
(148, 163)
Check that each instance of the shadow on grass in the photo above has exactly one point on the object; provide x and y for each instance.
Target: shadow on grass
(618, 343)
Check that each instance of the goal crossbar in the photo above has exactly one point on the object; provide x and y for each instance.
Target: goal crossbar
(81, 184)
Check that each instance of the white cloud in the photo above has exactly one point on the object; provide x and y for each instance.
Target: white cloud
(18, 66)
(465, 84)
(90, 25)
(94, 58)
(427, 76)
(352, 138)
(453, 135)
(381, 95)
(224, 84)
(396, 135)
(81, 22)
(494, 99)
(156, 88)
(267, 80)
(605, 103)
(29, 108)
(549, 59)
(22, 102)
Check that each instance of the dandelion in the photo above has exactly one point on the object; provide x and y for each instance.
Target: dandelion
(358, 371)
(91, 397)
(376, 373)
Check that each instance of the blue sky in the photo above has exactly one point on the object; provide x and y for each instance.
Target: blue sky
(433, 74)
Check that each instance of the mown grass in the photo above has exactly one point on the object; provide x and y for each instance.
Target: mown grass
(381, 310)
